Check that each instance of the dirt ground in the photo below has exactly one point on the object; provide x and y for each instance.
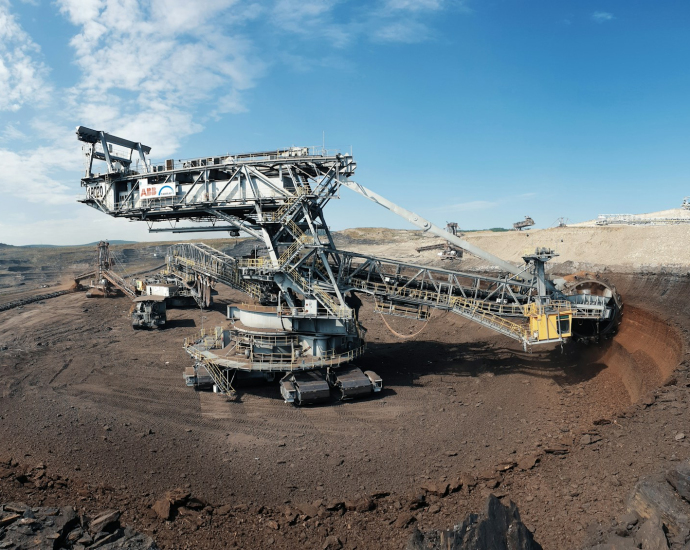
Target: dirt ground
(563, 433)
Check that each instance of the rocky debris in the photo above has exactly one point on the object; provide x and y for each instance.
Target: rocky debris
(528, 462)
(616, 542)
(557, 449)
(361, 504)
(332, 543)
(180, 502)
(63, 529)
(655, 497)
(308, 510)
(589, 438)
(648, 400)
(105, 521)
(499, 527)
(658, 516)
(416, 501)
(163, 508)
(651, 535)
(469, 482)
(404, 519)
(679, 478)
(439, 489)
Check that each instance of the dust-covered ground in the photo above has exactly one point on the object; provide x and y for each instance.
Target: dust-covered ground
(563, 433)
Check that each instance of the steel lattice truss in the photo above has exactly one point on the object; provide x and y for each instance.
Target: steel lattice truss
(279, 197)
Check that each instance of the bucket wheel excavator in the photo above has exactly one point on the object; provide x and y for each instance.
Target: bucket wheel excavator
(303, 326)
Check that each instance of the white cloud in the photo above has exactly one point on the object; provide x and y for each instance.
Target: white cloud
(409, 32)
(22, 75)
(415, 5)
(602, 16)
(12, 134)
(381, 21)
(27, 175)
(154, 71)
(468, 206)
(313, 19)
(148, 66)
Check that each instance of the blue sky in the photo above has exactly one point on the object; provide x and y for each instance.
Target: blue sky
(474, 111)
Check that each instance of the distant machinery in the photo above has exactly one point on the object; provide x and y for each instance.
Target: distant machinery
(150, 296)
(305, 326)
(633, 219)
(527, 222)
(448, 251)
(646, 219)
(103, 279)
(562, 222)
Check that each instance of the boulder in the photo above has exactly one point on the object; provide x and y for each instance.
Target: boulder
(439, 489)
(66, 520)
(403, 520)
(616, 542)
(360, 504)
(107, 521)
(416, 501)
(528, 462)
(308, 510)
(365, 504)
(651, 535)
(455, 485)
(498, 527)
(679, 478)
(655, 497)
(177, 497)
(53, 528)
(163, 509)
(469, 482)
(334, 505)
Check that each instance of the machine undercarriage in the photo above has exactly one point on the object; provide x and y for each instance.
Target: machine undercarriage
(304, 325)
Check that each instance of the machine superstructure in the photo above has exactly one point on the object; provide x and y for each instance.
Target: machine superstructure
(303, 324)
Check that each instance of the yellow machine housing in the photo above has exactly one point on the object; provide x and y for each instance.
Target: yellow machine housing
(550, 322)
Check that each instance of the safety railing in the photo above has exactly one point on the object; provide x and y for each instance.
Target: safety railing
(389, 308)
(244, 340)
(269, 361)
(433, 297)
(219, 376)
(219, 270)
(586, 313)
(485, 313)
(255, 262)
(301, 240)
(278, 215)
(471, 309)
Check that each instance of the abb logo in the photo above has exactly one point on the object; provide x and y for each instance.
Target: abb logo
(151, 191)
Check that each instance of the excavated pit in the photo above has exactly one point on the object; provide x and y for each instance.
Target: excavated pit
(644, 353)
(96, 397)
